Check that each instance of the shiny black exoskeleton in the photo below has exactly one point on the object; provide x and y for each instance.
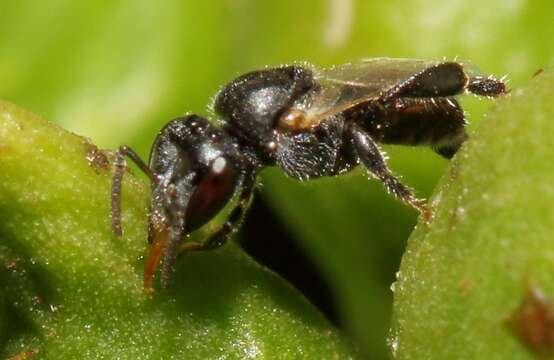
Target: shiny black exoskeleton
(307, 122)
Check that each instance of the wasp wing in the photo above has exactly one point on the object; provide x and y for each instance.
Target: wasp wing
(375, 75)
(345, 86)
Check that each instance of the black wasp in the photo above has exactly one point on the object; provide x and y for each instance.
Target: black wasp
(308, 122)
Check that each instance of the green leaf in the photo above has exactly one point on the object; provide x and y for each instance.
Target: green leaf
(74, 290)
(491, 242)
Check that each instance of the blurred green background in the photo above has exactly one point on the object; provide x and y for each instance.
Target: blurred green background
(116, 71)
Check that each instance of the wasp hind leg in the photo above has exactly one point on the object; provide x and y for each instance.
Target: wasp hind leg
(371, 157)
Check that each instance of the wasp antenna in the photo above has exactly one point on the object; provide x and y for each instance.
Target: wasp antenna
(117, 179)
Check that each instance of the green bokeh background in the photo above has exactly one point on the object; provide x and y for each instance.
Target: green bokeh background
(116, 71)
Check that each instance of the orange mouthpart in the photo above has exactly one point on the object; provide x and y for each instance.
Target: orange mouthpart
(155, 254)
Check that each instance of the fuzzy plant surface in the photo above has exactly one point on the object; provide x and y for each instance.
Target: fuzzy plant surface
(73, 290)
(478, 282)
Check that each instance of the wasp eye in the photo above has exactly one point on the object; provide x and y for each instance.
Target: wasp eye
(219, 165)
(215, 189)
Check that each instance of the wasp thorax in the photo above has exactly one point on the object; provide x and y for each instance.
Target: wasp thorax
(294, 120)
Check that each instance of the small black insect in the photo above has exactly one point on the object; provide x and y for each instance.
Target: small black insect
(308, 122)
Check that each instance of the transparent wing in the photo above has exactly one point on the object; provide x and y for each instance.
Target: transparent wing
(375, 75)
(344, 86)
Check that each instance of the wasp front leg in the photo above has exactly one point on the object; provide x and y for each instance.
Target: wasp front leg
(169, 244)
(235, 219)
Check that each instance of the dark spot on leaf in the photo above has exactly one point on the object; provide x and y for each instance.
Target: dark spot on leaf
(454, 170)
(538, 72)
(4, 149)
(533, 323)
(12, 265)
(465, 286)
(96, 157)
(24, 355)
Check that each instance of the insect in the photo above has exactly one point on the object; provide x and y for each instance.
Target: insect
(308, 122)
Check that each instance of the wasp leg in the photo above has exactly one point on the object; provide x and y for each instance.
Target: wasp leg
(117, 178)
(171, 249)
(220, 236)
(374, 160)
